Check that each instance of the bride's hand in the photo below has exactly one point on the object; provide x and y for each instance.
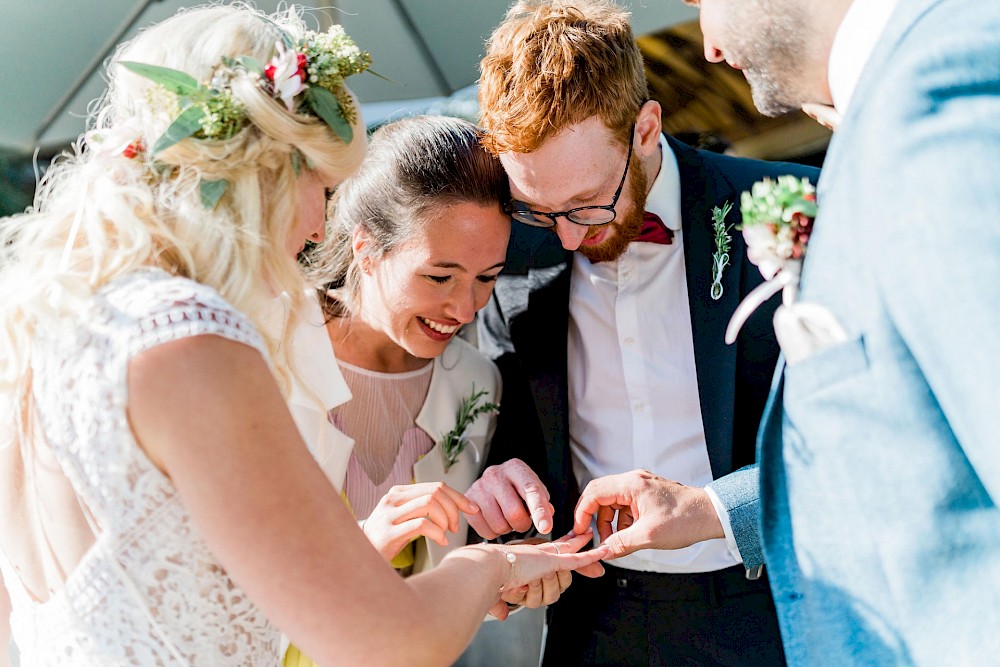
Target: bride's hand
(409, 511)
(560, 557)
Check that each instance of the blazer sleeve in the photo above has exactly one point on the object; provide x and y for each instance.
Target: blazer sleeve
(739, 494)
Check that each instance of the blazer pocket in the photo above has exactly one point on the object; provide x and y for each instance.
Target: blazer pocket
(826, 368)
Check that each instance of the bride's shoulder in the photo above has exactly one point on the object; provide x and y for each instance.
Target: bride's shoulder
(152, 306)
(147, 291)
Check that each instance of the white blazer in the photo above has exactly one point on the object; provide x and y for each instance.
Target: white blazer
(319, 387)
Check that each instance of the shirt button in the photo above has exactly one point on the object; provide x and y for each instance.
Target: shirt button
(639, 407)
(626, 276)
(629, 341)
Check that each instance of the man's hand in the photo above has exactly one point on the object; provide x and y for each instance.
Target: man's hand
(653, 513)
(511, 497)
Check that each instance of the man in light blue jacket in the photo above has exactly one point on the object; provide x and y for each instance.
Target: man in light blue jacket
(880, 450)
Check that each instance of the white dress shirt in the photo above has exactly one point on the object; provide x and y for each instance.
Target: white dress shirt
(633, 387)
(853, 44)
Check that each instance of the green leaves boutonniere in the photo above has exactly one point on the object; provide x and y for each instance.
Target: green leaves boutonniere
(456, 440)
(720, 259)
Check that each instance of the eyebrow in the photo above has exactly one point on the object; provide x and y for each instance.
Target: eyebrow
(456, 265)
(578, 199)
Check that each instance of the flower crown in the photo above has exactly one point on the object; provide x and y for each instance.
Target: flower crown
(306, 75)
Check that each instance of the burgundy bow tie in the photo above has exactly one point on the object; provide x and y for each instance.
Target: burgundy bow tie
(654, 231)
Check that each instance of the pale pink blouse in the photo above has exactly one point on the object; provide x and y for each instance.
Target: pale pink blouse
(381, 418)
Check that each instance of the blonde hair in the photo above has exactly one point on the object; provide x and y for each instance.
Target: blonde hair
(98, 216)
(554, 63)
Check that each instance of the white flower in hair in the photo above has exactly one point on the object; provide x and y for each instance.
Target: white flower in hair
(121, 139)
(288, 72)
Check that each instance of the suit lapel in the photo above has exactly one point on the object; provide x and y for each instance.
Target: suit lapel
(715, 362)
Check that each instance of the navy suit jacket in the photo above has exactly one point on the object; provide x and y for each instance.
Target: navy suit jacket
(524, 328)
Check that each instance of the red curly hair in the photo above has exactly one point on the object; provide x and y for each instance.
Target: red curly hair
(554, 63)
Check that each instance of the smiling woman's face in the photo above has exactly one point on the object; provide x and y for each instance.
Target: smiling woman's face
(421, 292)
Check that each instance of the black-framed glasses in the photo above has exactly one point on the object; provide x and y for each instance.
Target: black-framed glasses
(581, 215)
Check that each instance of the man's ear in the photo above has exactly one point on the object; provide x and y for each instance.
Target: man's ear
(648, 126)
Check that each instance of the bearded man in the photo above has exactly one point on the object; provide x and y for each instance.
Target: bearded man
(608, 326)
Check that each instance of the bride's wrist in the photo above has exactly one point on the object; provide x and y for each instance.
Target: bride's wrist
(511, 559)
(501, 560)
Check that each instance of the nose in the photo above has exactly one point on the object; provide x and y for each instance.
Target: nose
(319, 234)
(463, 305)
(713, 54)
(570, 234)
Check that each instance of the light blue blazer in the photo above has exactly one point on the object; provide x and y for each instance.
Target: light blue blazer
(880, 456)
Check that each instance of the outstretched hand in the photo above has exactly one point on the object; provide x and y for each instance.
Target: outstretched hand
(555, 561)
(409, 511)
(652, 513)
(511, 497)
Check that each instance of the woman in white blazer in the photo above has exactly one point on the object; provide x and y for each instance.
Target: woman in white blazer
(416, 241)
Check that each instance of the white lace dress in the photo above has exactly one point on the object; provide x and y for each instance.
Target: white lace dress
(148, 592)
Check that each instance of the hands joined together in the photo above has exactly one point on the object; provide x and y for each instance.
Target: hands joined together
(634, 510)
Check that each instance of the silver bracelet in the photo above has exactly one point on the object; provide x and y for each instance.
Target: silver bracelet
(511, 558)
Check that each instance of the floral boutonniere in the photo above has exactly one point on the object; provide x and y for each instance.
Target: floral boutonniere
(777, 221)
(720, 258)
(455, 440)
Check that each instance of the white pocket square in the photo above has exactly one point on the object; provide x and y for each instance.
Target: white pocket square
(803, 329)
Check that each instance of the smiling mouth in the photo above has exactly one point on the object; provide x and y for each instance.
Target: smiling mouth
(445, 330)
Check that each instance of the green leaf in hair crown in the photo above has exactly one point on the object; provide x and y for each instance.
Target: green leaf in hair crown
(307, 76)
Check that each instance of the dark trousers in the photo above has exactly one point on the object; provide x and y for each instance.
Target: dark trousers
(643, 618)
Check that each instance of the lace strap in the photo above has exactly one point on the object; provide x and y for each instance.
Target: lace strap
(168, 308)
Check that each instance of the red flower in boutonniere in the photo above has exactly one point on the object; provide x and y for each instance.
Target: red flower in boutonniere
(777, 222)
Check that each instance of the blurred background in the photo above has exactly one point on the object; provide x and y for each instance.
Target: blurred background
(54, 55)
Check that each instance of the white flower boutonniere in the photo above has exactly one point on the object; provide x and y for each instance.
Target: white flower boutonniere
(720, 258)
(456, 440)
(777, 221)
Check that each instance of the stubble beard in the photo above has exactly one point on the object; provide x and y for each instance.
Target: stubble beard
(626, 226)
(773, 56)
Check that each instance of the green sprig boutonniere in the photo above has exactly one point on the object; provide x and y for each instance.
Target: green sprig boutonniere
(455, 440)
(720, 258)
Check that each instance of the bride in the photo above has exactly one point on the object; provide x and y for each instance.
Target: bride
(145, 426)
